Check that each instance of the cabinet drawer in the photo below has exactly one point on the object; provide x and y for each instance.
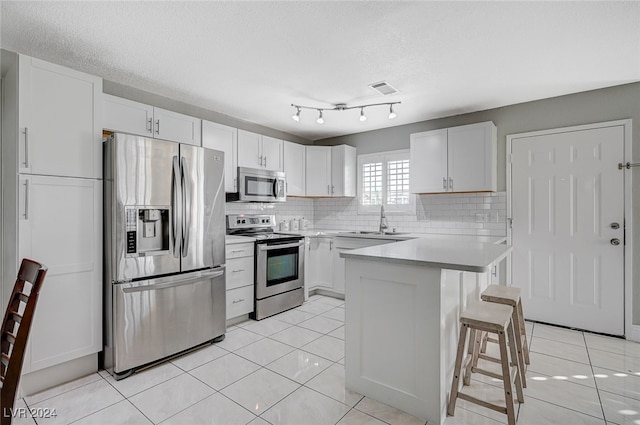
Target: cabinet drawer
(239, 272)
(240, 250)
(239, 301)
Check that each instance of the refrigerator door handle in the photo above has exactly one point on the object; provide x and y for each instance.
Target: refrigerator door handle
(177, 208)
(164, 283)
(186, 207)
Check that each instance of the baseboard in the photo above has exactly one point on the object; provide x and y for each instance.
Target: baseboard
(326, 293)
(634, 333)
(43, 379)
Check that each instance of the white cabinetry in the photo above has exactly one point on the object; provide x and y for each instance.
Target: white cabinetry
(318, 264)
(67, 237)
(132, 117)
(294, 168)
(332, 170)
(258, 151)
(58, 119)
(345, 243)
(223, 138)
(52, 212)
(318, 168)
(343, 171)
(457, 159)
(240, 278)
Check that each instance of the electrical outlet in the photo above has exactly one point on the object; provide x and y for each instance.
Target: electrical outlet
(481, 217)
(494, 216)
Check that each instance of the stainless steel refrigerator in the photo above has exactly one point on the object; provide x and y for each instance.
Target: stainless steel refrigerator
(164, 250)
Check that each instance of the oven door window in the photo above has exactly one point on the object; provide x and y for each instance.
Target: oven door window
(258, 186)
(282, 265)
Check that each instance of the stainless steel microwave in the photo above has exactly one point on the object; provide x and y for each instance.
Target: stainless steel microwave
(256, 185)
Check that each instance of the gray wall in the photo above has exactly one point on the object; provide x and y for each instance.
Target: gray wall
(132, 93)
(609, 104)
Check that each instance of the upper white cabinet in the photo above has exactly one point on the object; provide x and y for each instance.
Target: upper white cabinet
(331, 170)
(457, 159)
(223, 138)
(343, 170)
(318, 168)
(258, 151)
(59, 111)
(132, 117)
(294, 168)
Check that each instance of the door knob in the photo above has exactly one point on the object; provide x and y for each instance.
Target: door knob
(615, 225)
(615, 241)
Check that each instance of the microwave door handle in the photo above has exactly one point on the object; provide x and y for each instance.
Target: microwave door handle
(262, 247)
(186, 207)
(275, 188)
(177, 208)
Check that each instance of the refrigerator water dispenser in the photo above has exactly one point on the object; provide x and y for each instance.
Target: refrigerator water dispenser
(147, 231)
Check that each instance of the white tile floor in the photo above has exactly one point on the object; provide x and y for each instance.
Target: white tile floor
(289, 369)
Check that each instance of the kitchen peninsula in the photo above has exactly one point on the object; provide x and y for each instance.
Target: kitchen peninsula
(403, 303)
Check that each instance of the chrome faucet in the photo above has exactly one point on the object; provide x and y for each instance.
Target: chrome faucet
(383, 220)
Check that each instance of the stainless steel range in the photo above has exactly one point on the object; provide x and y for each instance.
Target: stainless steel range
(279, 264)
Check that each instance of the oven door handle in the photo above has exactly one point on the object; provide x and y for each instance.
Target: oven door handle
(262, 247)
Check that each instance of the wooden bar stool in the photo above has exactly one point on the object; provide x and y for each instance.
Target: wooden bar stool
(492, 318)
(510, 295)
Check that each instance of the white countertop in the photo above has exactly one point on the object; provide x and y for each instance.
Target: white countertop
(443, 252)
(233, 239)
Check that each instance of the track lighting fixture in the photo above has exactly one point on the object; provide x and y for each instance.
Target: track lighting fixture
(343, 107)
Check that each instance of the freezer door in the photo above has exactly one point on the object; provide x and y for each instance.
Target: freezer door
(157, 318)
(139, 209)
(203, 207)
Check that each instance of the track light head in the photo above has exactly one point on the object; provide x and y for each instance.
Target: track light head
(363, 117)
(320, 120)
(296, 116)
(392, 114)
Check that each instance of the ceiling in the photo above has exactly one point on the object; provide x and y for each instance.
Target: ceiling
(252, 60)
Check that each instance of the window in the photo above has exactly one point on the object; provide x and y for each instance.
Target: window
(383, 179)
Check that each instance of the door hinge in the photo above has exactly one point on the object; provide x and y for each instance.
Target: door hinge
(510, 158)
(510, 221)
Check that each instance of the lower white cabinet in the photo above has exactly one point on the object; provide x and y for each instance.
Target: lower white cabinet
(318, 263)
(240, 278)
(60, 224)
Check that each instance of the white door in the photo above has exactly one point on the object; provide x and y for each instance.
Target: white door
(567, 198)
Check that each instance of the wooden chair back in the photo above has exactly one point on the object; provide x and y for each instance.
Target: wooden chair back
(15, 332)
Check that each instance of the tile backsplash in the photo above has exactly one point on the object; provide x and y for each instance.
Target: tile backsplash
(466, 214)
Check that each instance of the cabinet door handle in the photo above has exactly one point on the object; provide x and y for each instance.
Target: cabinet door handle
(157, 126)
(265, 161)
(239, 300)
(150, 123)
(237, 250)
(26, 199)
(333, 189)
(235, 184)
(26, 147)
(450, 183)
(237, 271)
(444, 183)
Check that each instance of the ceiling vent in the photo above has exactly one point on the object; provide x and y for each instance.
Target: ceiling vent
(383, 88)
